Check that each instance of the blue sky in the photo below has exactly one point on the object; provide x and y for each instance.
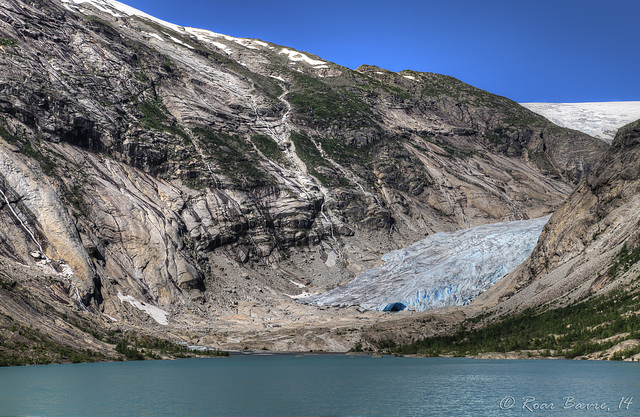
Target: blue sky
(527, 50)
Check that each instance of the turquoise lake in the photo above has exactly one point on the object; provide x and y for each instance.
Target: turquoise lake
(323, 385)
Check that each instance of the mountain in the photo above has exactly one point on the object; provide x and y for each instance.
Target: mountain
(590, 245)
(576, 296)
(582, 281)
(171, 181)
(600, 120)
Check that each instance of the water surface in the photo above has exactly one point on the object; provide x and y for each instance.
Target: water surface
(324, 385)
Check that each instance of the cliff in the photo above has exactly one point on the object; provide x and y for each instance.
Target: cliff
(590, 245)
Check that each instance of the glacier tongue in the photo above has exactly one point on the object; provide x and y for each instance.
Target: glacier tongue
(444, 269)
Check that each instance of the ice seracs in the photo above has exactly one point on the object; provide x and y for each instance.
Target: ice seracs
(445, 269)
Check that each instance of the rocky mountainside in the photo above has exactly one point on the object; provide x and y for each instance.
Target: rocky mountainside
(591, 244)
(600, 120)
(576, 296)
(187, 183)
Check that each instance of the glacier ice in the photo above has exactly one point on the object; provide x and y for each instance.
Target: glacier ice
(600, 120)
(444, 269)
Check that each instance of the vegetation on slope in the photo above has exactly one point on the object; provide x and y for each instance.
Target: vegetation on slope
(27, 345)
(28, 149)
(316, 164)
(155, 116)
(269, 148)
(147, 347)
(323, 106)
(234, 157)
(592, 325)
(26, 339)
(571, 331)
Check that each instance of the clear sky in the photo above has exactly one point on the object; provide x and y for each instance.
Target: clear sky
(527, 50)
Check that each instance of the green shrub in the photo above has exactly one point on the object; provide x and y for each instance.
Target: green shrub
(130, 353)
(155, 116)
(571, 331)
(269, 148)
(233, 155)
(4, 41)
(624, 260)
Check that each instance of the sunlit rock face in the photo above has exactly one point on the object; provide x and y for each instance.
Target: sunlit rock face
(445, 269)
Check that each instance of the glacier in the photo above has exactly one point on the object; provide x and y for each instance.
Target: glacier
(444, 269)
(600, 120)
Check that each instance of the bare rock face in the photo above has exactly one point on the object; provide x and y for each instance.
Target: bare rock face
(36, 219)
(595, 230)
(215, 178)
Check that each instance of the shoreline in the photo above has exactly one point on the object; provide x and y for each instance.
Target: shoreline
(500, 356)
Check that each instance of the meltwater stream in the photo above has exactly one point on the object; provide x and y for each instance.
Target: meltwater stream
(324, 385)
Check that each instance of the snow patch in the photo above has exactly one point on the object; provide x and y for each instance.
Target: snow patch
(300, 296)
(297, 284)
(445, 269)
(155, 35)
(247, 43)
(600, 120)
(202, 34)
(296, 56)
(410, 77)
(332, 259)
(208, 36)
(156, 313)
(222, 46)
(67, 271)
(109, 317)
(113, 6)
(178, 41)
(69, 276)
(103, 6)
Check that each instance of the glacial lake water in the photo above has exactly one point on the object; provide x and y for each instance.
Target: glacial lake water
(324, 385)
